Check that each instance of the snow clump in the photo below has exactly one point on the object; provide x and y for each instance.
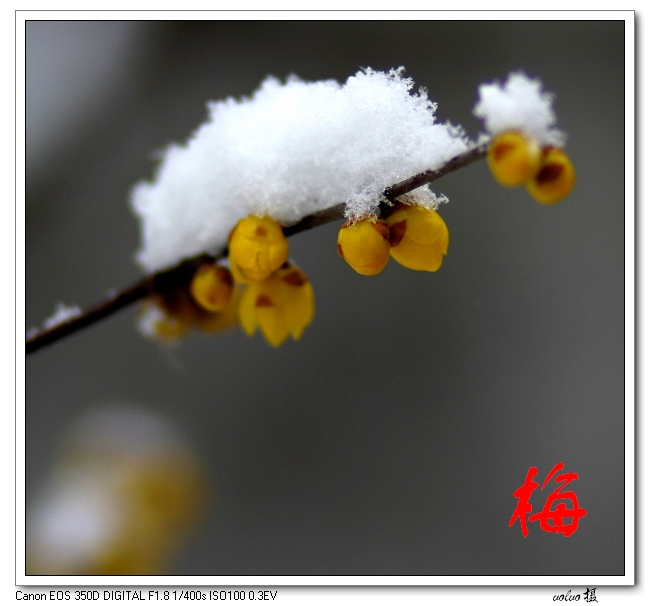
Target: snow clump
(520, 105)
(289, 150)
(61, 314)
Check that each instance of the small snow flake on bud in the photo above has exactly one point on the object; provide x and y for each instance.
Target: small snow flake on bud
(168, 318)
(419, 237)
(211, 287)
(554, 179)
(513, 158)
(258, 247)
(365, 245)
(281, 306)
(156, 322)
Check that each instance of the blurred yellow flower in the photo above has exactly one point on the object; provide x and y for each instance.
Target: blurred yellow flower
(168, 318)
(513, 158)
(554, 179)
(211, 287)
(125, 493)
(281, 306)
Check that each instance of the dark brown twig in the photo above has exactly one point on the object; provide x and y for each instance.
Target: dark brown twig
(167, 280)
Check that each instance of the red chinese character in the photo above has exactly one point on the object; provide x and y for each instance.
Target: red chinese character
(523, 493)
(550, 520)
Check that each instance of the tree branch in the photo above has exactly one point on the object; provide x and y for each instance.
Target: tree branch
(165, 281)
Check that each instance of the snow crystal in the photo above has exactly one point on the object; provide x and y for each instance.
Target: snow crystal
(150, 316)
(61, 314)
(423, 196)
(291, 149)
(519, 105)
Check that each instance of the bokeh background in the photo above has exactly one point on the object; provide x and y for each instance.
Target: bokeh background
(390, 439)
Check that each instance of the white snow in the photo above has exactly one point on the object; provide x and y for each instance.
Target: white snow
(289, 150)
(62, 313)
(297, 147)
(148, 319)
(521, 105)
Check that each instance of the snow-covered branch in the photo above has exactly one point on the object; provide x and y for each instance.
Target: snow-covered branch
(167, 280)
(301, 154)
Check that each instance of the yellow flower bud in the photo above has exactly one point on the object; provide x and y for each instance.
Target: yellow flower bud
(165, 320)
(281, 306)
(257, 247)
(168, 318)
(365, 246)
(419, 237)
(554, 179)
(513, 158)
(211, 287)
(226, 319)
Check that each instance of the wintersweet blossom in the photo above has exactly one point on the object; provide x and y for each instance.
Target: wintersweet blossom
(525, 148)
(170, 317)
(365, 246)
(419, 237)
(257, 248)
(554, 179)
(211, 287)
(513, 158)
(281, 306)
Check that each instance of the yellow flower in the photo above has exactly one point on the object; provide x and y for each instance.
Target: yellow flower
(137, 484)
(513, 158)
(257, 248)
(281, 306)
(365, 246)
(419, 237)
(161, 500)
(211, 287)
(223, 320)
(168, 318)
(165, 319)
(554, 179)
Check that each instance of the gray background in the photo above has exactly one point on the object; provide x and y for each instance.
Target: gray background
(389, 439)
